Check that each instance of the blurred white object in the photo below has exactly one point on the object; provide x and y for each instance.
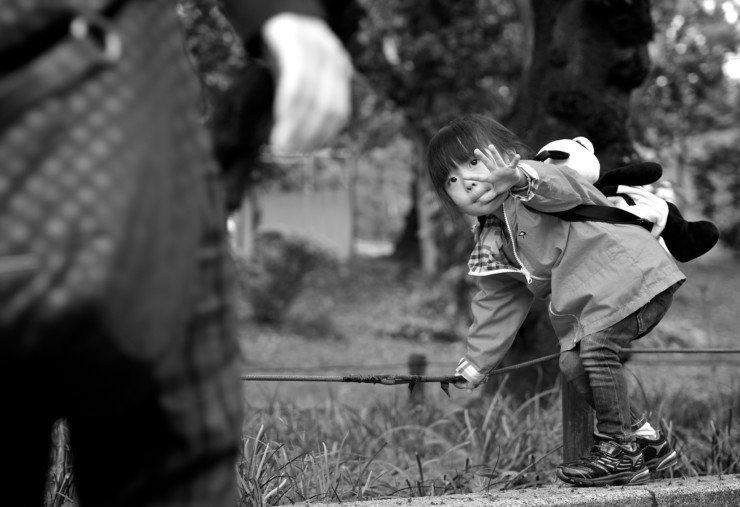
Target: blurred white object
(313, 73)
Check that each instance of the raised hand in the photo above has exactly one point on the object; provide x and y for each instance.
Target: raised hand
(502, 175)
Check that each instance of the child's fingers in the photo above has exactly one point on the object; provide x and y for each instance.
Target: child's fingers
(477, 177)
(515, 160)
(491, 154)
(466, 386)
(490, 178)
(492, 159)
(495, 155)
(489, 195)
(486, 157)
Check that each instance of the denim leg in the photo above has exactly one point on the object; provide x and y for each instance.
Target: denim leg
(600, 360)
(575, 374)
(604, 386)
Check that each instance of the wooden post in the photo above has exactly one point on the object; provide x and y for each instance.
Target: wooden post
(417, 366)
(578, 423)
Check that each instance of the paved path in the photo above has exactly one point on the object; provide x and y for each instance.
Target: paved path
(705, 491)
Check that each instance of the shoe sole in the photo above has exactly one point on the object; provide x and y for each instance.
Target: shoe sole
(664, 463)
(622, 479)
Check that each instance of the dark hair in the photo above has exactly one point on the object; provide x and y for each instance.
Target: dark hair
(454, 144)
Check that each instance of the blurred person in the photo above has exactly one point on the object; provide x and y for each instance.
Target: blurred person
(608, 284)
(114, 272)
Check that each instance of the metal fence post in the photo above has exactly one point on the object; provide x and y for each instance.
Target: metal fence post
(417, 366)
(578, 423)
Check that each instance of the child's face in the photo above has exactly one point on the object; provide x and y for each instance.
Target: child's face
(466, 193)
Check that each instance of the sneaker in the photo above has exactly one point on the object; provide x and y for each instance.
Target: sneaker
(658, 454)
(608, 463)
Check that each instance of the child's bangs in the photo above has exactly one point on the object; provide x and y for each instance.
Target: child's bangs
(462, 140)
(452, 145)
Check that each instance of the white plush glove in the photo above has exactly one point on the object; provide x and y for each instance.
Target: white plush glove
(647, 206)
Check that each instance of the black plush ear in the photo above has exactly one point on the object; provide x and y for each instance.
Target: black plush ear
(559, 155)
(553, 154)
(635, 175)
(542, 156)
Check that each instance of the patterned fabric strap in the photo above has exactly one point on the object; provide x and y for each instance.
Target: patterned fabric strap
(85, 43)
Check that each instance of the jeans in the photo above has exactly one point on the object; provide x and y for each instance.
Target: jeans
(595, 370)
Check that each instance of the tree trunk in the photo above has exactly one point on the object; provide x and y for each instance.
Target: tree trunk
(426, 207)
(406, 248)
(588, 56)
(417, 244)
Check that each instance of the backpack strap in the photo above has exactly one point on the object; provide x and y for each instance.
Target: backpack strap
(598, 213)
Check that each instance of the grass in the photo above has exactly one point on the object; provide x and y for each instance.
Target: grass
(336, 453)
(339, 442)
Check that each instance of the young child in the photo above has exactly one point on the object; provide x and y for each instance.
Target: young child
(608, 284)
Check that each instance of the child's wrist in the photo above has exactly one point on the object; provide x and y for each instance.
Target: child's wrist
(469, 372)
(522, 182)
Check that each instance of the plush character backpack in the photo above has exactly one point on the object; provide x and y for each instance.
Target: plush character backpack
(623, 186)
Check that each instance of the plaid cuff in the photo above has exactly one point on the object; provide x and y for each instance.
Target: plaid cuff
(469, 372)
(533, 180)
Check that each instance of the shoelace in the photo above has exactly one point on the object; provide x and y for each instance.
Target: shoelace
(594, 454)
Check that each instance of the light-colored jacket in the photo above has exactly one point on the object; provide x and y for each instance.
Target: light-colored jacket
(595, 273)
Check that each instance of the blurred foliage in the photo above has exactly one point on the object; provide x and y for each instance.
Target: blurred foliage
(277, 273)
(440, 313)
(437, 59)
(237, 97)
(421, 63)
(432, 61)
(687, 90)
(382, 180)
(687, 95)
(718, 177)
(217, 51)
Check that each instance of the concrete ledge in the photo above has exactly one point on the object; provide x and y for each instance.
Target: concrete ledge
(707, 491)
